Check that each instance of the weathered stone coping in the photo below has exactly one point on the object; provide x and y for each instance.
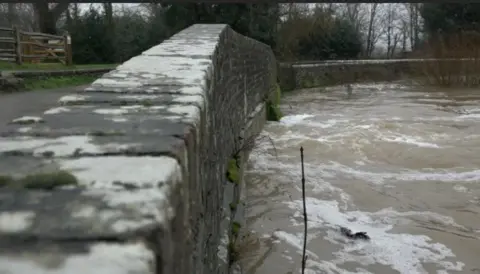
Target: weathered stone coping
(123, 138)
(147, 198)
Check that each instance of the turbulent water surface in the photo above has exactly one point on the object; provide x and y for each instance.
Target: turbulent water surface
(398, 162)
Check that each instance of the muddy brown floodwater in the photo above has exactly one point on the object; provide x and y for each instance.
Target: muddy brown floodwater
(399, 162)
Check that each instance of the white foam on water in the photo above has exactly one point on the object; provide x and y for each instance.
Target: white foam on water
(403, 139)
(460, 188)
(294, 119)
(403, 252)
(446, 175)
(295, 241)
(470, 116)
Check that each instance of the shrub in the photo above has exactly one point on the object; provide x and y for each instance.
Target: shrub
(453, 60)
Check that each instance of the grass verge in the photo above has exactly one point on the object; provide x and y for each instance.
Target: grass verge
(57, 82)
(49, 66)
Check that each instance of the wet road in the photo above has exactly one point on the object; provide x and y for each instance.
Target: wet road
(31, 103)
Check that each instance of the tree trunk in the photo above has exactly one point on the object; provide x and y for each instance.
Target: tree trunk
(47, 18)
(11, 14)
(110, 25)
(369, 48)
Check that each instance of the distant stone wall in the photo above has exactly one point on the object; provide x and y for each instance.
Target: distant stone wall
(314, 74)
(142, 172)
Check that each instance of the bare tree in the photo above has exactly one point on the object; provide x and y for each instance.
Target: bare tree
(355, 13)
(11, 14)
(392, 29)
(372, 35)
(404, 35)
(108, 9)
(20, 14)
(413, 10)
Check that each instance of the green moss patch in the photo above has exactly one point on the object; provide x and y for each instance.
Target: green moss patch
(147, 103)
(236, 229)
(273, 106)
(100, 133)
(233, 172)
(306, 83)
(5, 180)
(233, 253)
(233, 206)
(273, 112)
(232, 250)
(45, 181)
(313, 82)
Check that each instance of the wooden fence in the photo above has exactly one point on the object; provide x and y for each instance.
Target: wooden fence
(33, 47)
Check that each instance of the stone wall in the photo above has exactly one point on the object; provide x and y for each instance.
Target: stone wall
(130, 176)
(314, 74)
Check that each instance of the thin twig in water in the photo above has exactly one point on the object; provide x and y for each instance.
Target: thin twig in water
(304, 256)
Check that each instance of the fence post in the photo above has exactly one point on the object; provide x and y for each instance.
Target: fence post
(67, 43)
(18, 45)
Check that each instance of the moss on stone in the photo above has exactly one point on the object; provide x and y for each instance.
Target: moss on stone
(48, 154)
(232, 253)
(49, 181)
(273, 106)
(306, 83)
(236, 229)
(5, 180)
(233, 206)
(100, 133)
(46, 181)
(273, 113)
(233, 173)
(147, 103)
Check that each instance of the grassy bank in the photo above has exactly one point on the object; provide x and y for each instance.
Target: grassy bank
(51, 82)
(49, 66)
(58, 82)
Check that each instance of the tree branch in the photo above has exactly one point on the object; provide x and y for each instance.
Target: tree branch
(59, 9)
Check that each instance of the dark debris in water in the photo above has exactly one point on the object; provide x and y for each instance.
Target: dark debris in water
(354, 236)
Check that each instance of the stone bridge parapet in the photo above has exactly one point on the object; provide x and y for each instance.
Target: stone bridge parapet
(129, 176)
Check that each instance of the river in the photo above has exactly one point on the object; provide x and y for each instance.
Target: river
(396, 161)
